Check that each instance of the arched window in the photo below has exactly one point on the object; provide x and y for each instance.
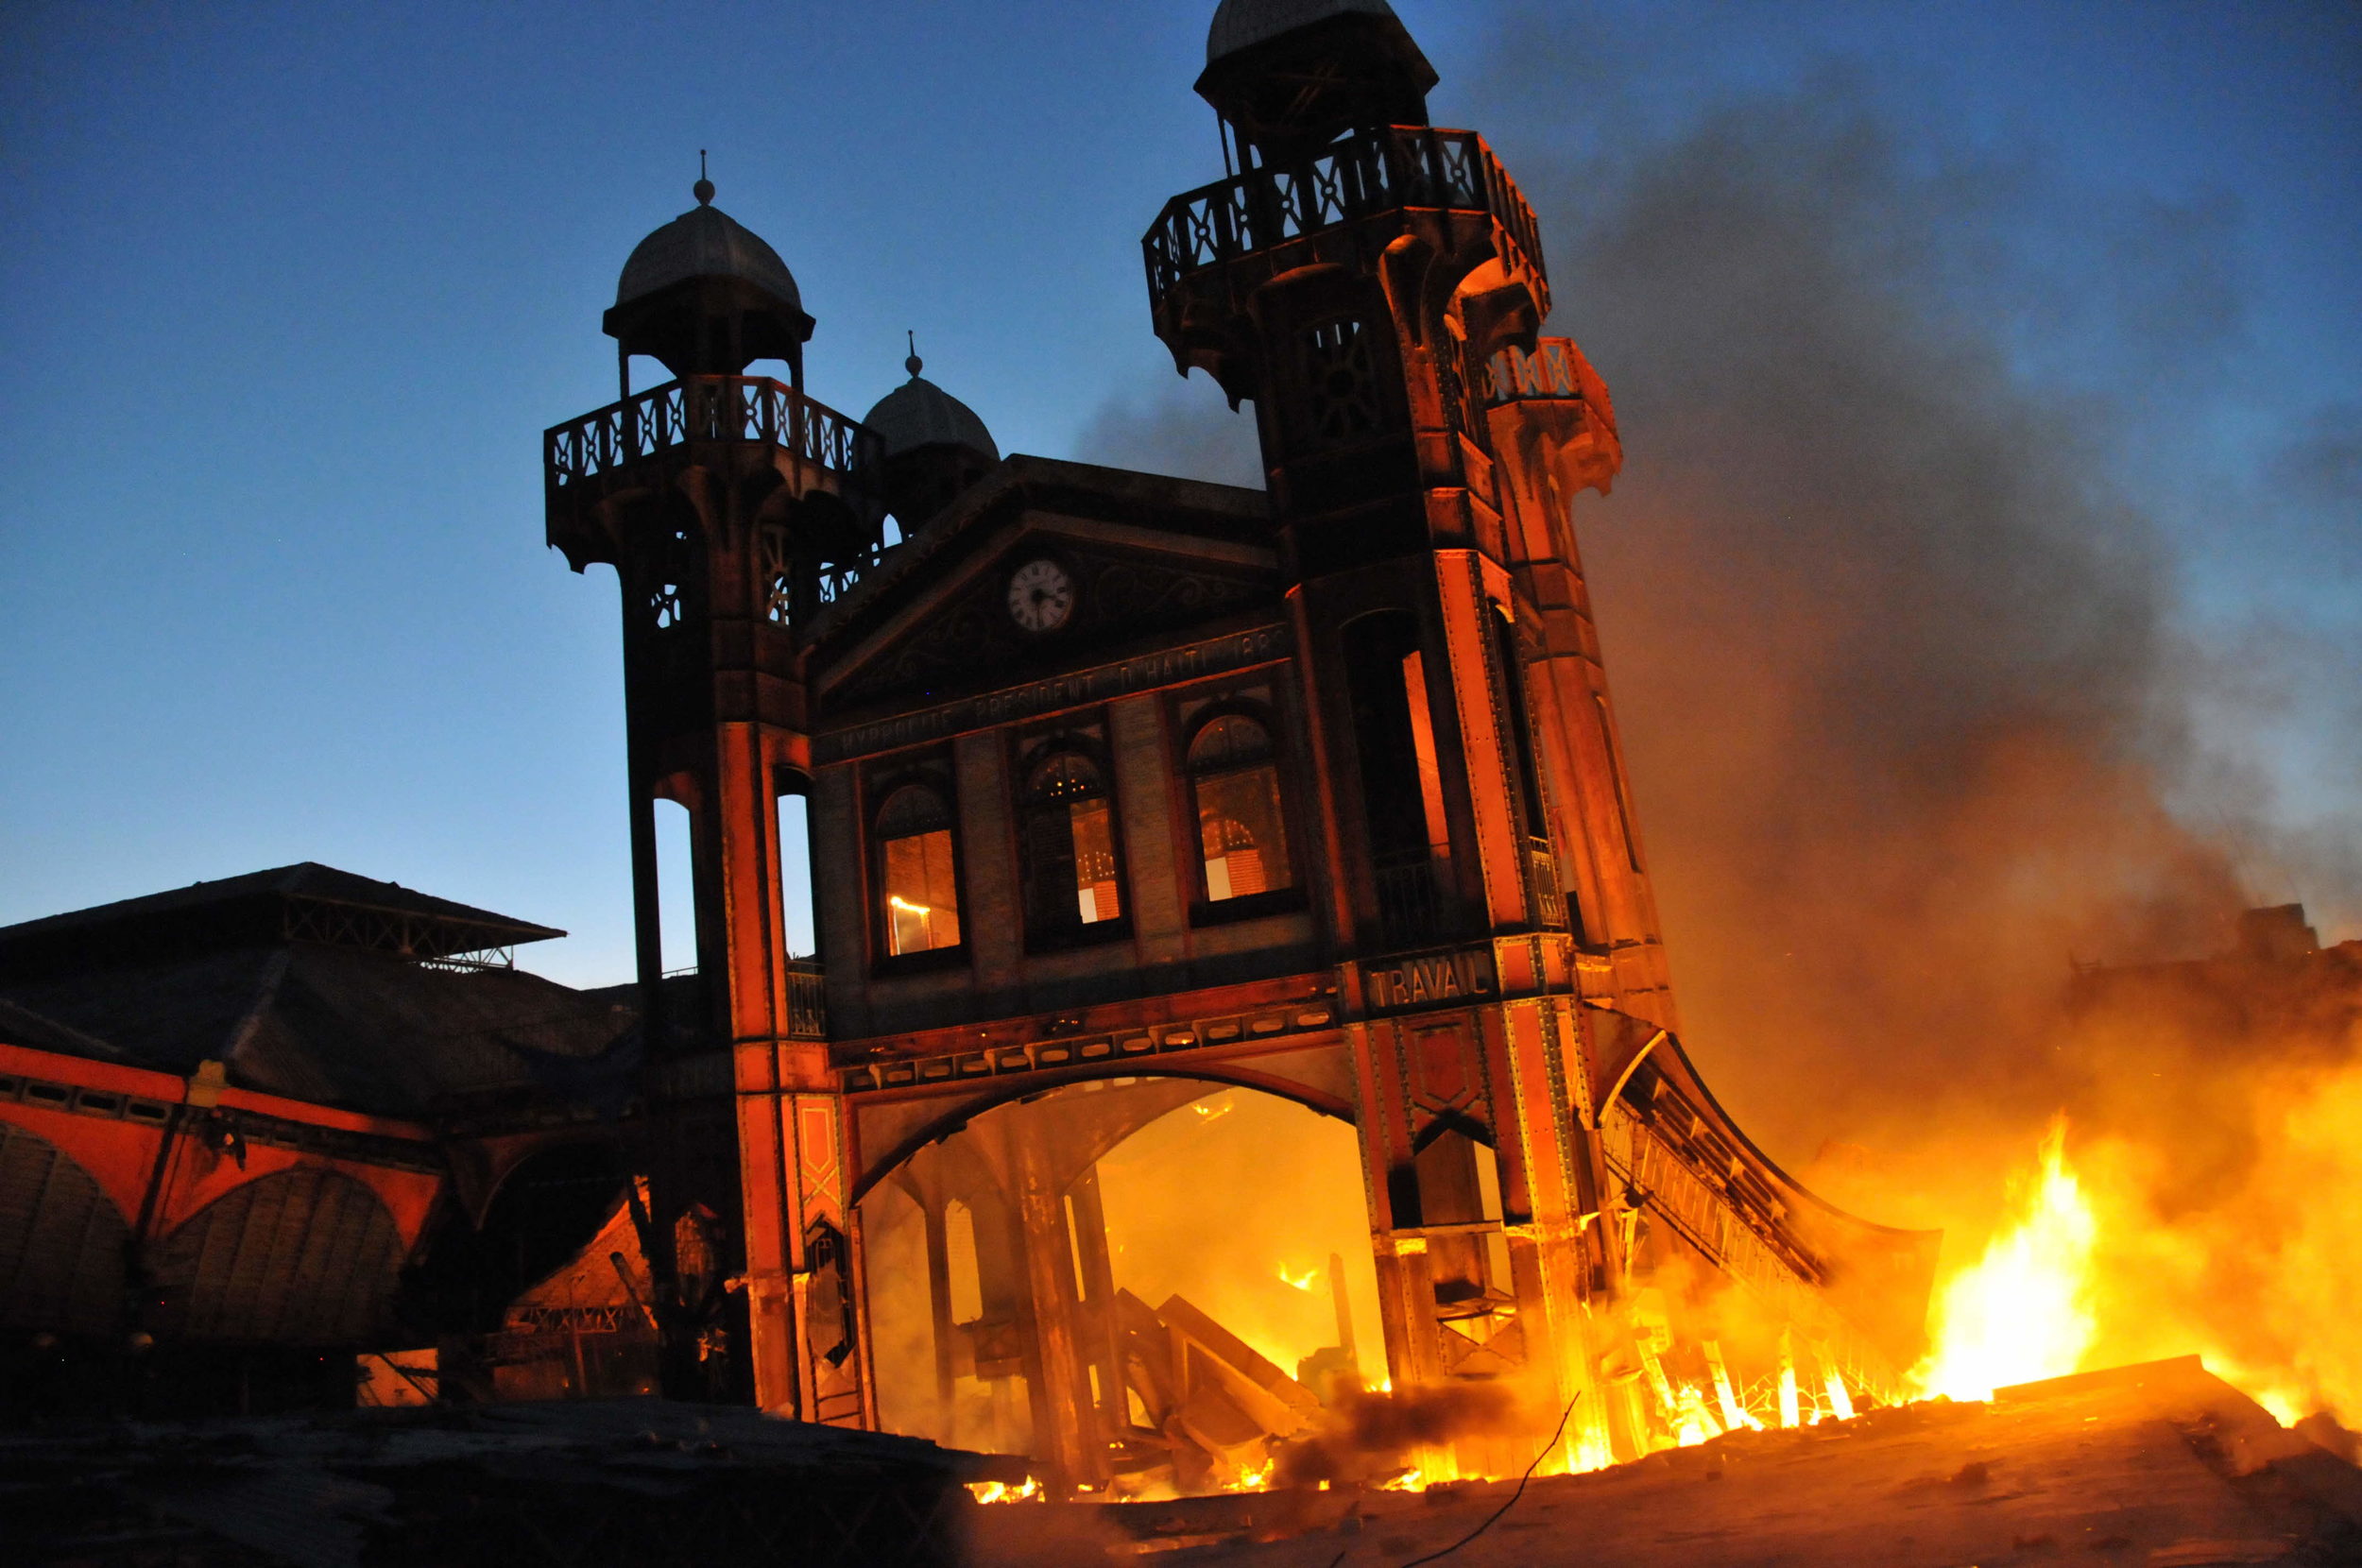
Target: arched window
(918, 894)
(1242, 833)
(1072, 881)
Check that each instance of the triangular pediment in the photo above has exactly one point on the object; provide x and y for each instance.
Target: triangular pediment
(1138, 561)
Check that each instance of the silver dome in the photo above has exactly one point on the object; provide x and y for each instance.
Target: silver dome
(1242, 24)
(705, 242)
(920, 414)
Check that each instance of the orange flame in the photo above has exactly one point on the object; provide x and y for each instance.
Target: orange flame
(2023, 1311)
(1256, 1478)
(1000, 1491)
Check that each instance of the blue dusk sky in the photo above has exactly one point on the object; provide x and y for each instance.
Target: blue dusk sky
(289, 293)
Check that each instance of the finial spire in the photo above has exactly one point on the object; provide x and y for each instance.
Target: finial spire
(703, 190)
(914, 364)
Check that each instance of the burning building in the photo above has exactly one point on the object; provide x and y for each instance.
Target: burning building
(1136, 803)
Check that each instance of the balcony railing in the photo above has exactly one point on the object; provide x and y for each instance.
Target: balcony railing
(707, 408)
(807, 1000)
(1410, 911)
(1366, 172)
(1550, 900)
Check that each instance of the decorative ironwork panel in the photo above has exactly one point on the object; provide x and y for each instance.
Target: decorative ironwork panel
(778, 576)
(1548, 372)
(1344, 386)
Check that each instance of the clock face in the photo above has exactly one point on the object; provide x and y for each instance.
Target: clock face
(1041, 596)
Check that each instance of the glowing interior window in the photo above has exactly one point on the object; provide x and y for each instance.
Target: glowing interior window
(1095, 895)
(922, 898)
(1071, 842)
(1242, 834)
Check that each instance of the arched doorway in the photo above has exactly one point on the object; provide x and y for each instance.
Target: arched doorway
(544, 1210)
(1146, 1283)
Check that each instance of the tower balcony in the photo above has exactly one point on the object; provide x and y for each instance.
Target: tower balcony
(636, 444)
(1363, 176)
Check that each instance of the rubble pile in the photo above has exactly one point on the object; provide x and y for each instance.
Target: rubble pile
(2162, 1465)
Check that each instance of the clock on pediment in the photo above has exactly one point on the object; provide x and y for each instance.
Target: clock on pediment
(1041, 595)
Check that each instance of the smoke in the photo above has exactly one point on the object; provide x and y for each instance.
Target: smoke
(1897, 661)
(1919, 709)
(1369, 1436)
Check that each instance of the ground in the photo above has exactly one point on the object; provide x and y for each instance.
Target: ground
(2163, 1466)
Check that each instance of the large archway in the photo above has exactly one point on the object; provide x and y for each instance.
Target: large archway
(546, 1207)
(62, 1240)
(308, 1257)
(1143, 1281)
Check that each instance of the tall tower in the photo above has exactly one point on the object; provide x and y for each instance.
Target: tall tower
(1375, 285)
(732, 507)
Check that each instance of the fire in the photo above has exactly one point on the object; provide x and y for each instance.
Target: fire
(1413, 1479)
(1257, 1478)
(2024, 1310)
(1000, 1491)
(1299, 1281)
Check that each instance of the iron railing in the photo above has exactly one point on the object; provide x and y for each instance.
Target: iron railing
(1375, 170)
(1550, 900)
(1548, 372)
(1410, 911)
(807, 1000)
(707, 408)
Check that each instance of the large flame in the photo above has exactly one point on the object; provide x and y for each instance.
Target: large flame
(2024, 1311)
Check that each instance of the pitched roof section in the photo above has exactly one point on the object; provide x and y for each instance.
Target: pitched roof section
(364, 1031)
(1153, 556)
(21, 1026)
(1182, 505)
(306, 902)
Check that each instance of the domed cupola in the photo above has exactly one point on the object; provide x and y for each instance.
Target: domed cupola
(1291, 76)
(707, 296)
(935, 446)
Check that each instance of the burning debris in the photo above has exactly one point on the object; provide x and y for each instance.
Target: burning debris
(2159, 1463)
